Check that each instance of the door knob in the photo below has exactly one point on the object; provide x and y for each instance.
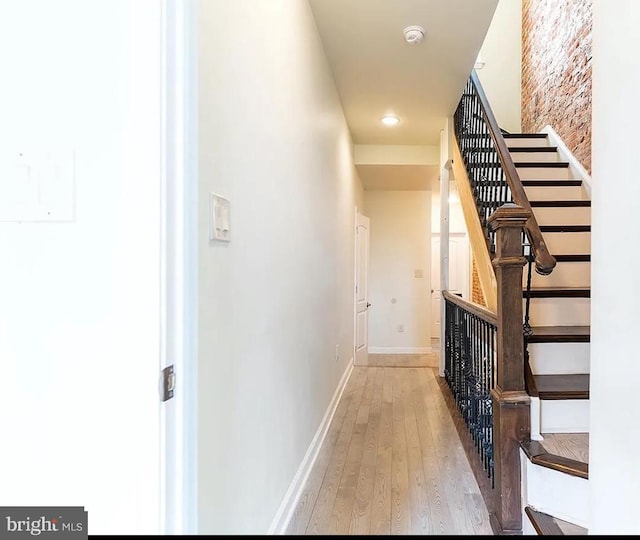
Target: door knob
(368, 305)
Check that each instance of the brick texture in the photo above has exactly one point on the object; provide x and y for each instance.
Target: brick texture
(476, 289)
(556, 71)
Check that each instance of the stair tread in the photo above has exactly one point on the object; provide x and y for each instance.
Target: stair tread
(569, 445)
(552, 183)
(573, 386)
(533, 149)
(565, 228)
(538, 455)
(548, 525)
(525, 136)
(558, 292)
(575, 257)
(560, 334)
(560, 203)
(543, 164)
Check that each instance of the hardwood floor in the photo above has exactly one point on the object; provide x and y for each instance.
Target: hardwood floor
(403, 360)
(391, 463)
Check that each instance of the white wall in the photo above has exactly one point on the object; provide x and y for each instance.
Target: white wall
(400, 243)
(277, 299)
(614, 475)
(502, 73)
(389, 154)
(79, 308)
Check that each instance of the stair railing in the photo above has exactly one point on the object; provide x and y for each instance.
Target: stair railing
(493, 175)
(469, 371)
(484, 369)
(513, 239)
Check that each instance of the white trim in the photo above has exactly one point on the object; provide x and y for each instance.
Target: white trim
(355, 283)
(534, 412)
(179, 300)
(292, 496)
(401, 350)
(579, 172)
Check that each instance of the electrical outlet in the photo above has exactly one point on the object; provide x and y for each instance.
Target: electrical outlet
(401, 328)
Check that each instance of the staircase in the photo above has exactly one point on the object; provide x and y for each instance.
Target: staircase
(555, 460)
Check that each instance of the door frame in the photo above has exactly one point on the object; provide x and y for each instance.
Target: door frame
(179, 257)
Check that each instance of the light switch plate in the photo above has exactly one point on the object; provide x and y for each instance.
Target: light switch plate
(219, 218)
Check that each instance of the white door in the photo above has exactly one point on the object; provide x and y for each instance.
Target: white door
(362, 290)
(80, 306)
(459, 272)
(179, 300)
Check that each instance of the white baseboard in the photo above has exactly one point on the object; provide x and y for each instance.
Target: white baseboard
(401, 350)
(292, 496)
(576, 167)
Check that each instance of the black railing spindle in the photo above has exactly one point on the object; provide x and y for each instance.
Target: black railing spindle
(470, 334)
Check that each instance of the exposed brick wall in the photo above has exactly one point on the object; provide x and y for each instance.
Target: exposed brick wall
(476, 288)
(556, 71)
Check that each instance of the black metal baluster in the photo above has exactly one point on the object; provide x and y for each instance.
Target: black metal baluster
(469, 372)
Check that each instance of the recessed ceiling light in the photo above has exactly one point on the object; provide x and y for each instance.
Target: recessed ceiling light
(390, 120)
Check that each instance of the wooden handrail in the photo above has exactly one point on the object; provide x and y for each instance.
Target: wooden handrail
(544, 261)
(476, 309)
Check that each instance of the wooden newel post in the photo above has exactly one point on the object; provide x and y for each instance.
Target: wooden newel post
(511, 422)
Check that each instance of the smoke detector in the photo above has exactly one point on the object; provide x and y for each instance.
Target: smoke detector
(413, 34)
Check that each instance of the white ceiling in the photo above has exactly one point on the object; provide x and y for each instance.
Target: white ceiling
(377, 72)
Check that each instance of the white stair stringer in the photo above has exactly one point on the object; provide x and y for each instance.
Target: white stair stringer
(553, 492)
(564, 415)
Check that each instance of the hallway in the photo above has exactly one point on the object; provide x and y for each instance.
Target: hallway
(391, 463)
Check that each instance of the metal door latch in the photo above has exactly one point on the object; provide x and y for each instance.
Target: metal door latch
(168, 383)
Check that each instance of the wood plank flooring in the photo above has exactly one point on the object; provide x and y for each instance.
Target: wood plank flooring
(403, 360)
(391, 463)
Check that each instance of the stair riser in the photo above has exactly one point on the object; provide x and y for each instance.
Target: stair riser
(553, 492)
(564, 415)
(564, 243)
(535, 157)
(560, 311)
(559, 358)
(524, 142)
(554, 193)
(544, 173)
(565, 274)
(558, 215)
